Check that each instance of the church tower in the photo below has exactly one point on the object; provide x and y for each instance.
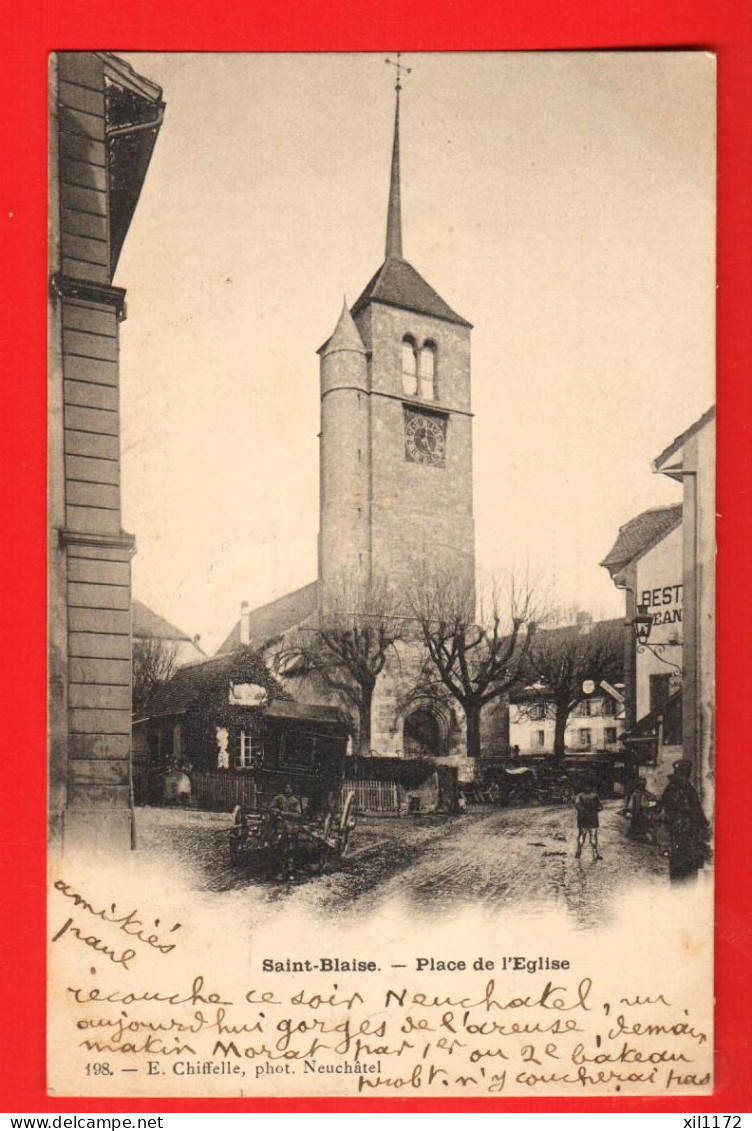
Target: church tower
(396, 429)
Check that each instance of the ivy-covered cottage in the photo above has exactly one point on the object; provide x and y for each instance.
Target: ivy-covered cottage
(234, 730)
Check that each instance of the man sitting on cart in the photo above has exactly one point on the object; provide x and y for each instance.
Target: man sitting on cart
(287, 804)
(287, 811)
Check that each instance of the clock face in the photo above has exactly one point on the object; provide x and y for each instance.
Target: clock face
(425, 439)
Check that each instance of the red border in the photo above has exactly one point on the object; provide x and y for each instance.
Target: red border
(33, 29)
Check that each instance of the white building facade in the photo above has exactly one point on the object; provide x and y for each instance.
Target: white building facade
(659, 588)
(646, 562)
(595, 724)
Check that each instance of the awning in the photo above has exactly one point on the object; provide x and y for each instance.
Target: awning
(282, 711)
(646, 729)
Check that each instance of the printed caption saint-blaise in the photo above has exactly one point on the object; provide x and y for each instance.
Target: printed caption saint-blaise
(521, 963)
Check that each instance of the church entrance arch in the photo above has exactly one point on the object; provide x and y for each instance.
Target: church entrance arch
(425, 732)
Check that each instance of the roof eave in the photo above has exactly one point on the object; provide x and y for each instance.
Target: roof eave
(675, 473)
(153, 716)
(677, 444)
(456, 319)
(617, 567)
(123, 73)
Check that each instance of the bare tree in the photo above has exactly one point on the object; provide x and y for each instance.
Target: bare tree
(350, 643)
(478, 656)
(562, 659)
(153, 665)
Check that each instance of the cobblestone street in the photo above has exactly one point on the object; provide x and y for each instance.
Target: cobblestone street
(490, 858)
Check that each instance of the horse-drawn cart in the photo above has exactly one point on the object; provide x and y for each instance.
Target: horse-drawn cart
(299, 817)
(282, 843)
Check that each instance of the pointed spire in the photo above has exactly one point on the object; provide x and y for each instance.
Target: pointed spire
(394, 212)
(346, 335)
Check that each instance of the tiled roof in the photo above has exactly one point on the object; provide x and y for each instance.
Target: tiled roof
(147, 623)
(640, 533)
(275, 618)
(397, 283)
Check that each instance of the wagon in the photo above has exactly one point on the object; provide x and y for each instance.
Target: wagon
(272, 842)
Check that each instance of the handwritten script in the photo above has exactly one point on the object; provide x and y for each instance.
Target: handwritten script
(470, 1033)
(398, 1040)
(127, 923)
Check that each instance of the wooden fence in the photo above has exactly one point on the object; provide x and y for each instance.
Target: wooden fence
(373, 796)
(221, 792)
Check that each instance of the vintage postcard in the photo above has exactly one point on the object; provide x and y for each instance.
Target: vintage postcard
(381, 574)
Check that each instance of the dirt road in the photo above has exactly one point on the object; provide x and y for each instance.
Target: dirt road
(489, 857)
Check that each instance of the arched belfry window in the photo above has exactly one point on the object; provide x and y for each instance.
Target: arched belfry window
(409, 366)
(428, 372)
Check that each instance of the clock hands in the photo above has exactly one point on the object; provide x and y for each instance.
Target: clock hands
(426, 440)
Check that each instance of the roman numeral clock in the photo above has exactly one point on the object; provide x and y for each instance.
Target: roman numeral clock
(425, 437)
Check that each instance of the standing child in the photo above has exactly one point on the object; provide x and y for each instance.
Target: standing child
(588, 805)
(639, 808)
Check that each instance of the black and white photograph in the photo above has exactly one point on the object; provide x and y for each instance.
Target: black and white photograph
(381, 573)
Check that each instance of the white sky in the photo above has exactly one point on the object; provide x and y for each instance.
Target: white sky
(563, 203)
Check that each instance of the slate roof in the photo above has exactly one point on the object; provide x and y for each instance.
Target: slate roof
(147, 623)
(346, 335)
(639, 534)
(275, 618)
(397, 283)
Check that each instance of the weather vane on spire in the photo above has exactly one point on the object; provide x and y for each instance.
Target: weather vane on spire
(394, 213)
(401, 69)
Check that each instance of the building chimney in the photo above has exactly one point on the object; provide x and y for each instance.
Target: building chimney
(245, 623)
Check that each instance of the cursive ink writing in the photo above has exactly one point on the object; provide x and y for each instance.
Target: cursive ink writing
(129, 924)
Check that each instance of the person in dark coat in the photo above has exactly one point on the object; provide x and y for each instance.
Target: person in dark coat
(688, 828)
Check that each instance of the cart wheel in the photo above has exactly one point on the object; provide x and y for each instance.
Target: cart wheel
(346, 821)
(237, 824)
(347, 814)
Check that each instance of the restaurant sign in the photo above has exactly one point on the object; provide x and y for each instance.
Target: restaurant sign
(663, 603)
